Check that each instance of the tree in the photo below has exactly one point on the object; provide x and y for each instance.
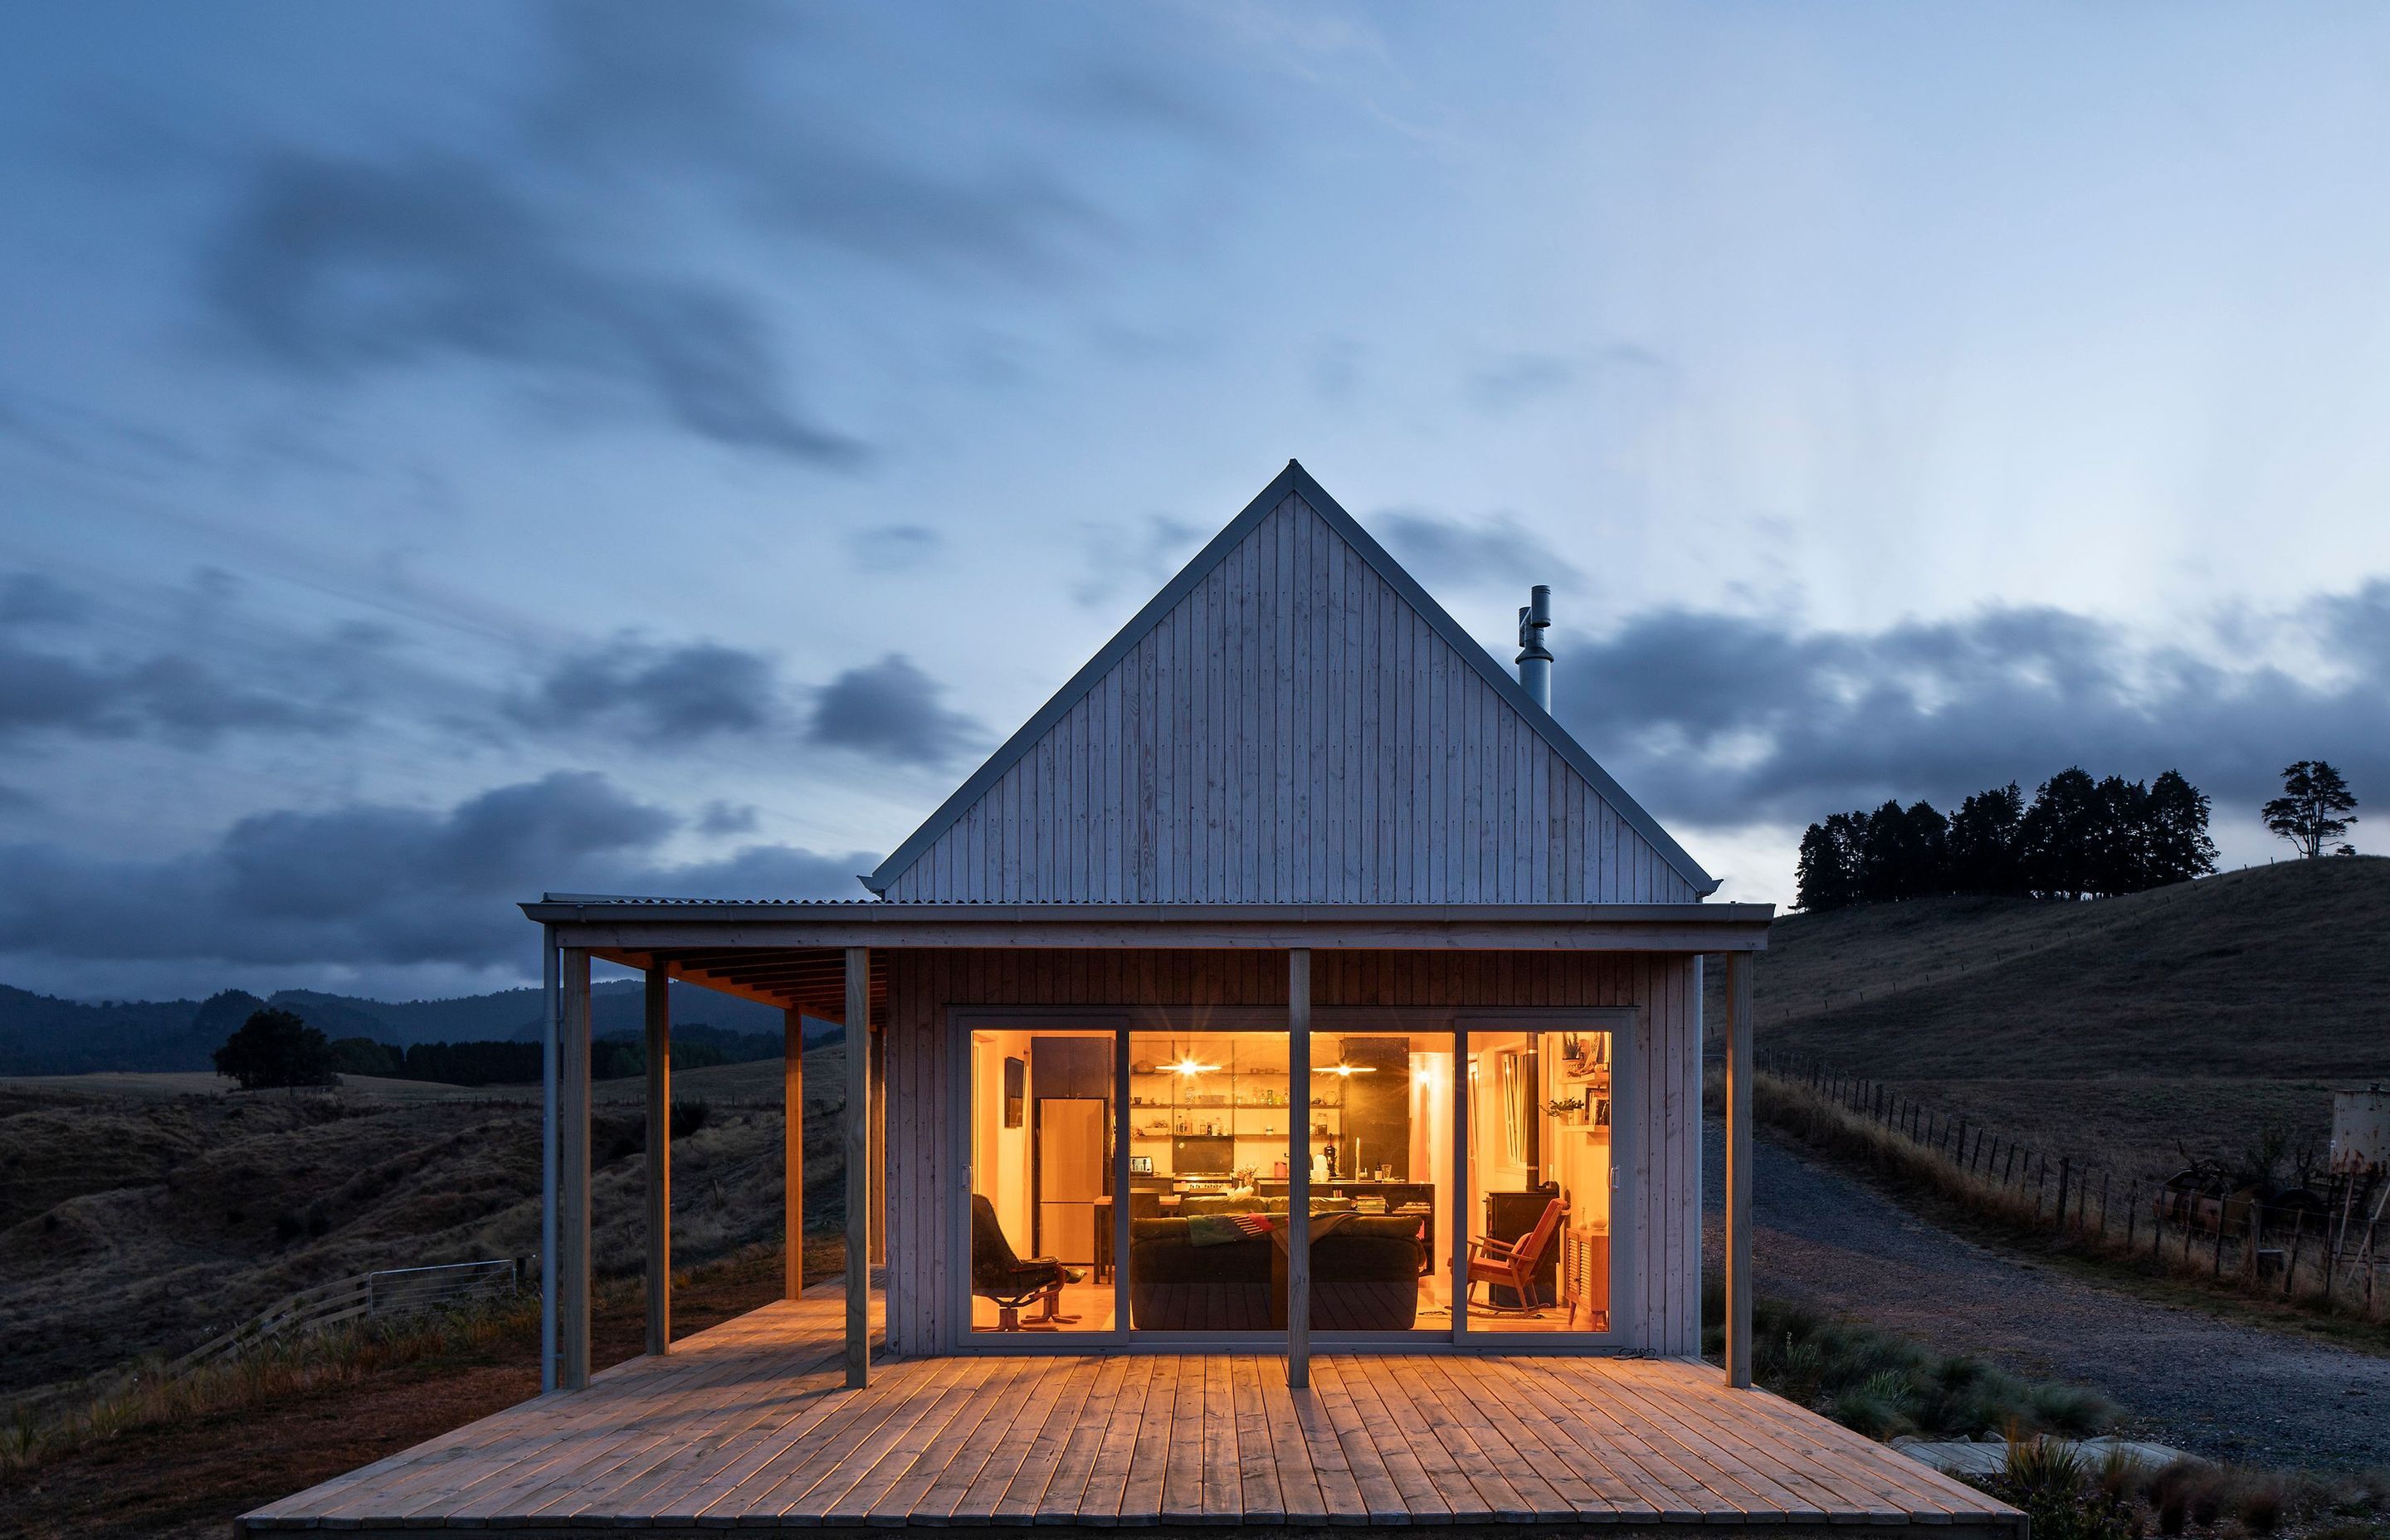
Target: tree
(1984, 842)
(2179, 846)
(275, 1048)
(2312, 809)
(362, 1056)
(1828, 873)
(2059, 834)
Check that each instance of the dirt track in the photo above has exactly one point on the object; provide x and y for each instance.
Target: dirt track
(2183, 1377)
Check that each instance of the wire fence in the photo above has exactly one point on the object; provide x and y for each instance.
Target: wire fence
(2328, 1245)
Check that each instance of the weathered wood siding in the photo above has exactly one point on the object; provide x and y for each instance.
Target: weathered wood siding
(1293, 731)
(927, 1149)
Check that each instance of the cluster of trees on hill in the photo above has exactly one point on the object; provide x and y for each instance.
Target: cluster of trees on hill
(694, 1048)
(2078, 838)
(275, 1048)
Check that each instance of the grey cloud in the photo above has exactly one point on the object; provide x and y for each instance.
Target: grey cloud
(893, 547)
(639, 87)
(168, 696)
(723, 817)
(892, 708)
(1144, 554)
(34, 598)
(338, 268)
(1726, 720)
(381, 884)
(660, 694)
(1520, 378)
(1496, 551)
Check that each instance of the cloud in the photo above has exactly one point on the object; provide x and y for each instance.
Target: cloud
(1497, 551)
(722, 817)
(658, 695)
(169, 696)
(1520, 378)
(726, 96)
(336, 268)
(1726, 720)
(221, 671)
(1143, 554)
(374, 883)
(893, 547)
(34, 598)
(893, 708)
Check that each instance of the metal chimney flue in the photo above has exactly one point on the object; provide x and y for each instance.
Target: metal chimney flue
(1535, 661)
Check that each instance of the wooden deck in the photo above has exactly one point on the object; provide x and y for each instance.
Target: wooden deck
(748, 1424)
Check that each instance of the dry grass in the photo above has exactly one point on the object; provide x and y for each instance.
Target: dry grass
(2274, 973)
(140, 1225)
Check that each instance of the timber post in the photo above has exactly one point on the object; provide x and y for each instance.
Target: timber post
(658, 1047)
(858, 1167)
(1738, 990)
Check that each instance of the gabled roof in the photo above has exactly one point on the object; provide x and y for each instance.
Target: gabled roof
(1296, 483)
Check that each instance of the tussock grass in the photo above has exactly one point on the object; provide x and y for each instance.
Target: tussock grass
(1881, 1385)
(2070, 1495)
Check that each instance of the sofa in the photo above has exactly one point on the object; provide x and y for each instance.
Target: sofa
(1364, 1277)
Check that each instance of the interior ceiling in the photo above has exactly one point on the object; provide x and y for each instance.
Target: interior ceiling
(809, 979)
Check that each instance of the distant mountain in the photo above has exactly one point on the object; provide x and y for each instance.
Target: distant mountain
(40, 1035)
(43, 1035)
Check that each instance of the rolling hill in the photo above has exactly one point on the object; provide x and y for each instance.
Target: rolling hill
(40, 1035)
(2130, 1030)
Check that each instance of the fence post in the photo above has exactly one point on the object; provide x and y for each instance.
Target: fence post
(2011, 1165)
(2103, 1203)
(2132, 1214)
(2065, 1172)
(2216, 1272)
(2291, 1261)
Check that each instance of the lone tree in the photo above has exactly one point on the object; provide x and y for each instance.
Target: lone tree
(2313, 808)
(275, 1048)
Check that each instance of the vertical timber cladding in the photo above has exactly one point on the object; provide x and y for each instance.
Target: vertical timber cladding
(927, 1149)
(1293, 730)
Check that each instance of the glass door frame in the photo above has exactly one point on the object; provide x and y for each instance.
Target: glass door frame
(1625, 1023)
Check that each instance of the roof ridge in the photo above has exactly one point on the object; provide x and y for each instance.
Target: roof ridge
(1294, 480)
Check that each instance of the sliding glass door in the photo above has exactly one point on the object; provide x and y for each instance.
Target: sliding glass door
(1542, 1172)
(1132, 1183)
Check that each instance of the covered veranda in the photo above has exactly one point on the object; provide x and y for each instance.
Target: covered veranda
(833, 960)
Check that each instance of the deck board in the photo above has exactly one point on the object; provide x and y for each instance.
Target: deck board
(750, 1425)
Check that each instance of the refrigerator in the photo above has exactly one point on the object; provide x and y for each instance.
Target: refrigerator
(1070, 1176)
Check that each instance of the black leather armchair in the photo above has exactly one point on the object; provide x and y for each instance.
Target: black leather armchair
(999, 1275)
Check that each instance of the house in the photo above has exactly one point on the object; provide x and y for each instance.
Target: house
(1282, 1107)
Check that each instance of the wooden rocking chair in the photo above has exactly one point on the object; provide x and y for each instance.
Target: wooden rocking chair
(1513, 1263)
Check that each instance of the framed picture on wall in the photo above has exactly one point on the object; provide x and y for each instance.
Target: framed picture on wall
(1016, 1086)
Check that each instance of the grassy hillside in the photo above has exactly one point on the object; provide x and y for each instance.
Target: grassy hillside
(2278, 971)
(134, 1220)
(2126, 1031)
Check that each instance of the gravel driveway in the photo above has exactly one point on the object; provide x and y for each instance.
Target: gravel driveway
(2183, 1377)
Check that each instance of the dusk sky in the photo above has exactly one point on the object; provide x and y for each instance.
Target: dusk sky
(453, 451)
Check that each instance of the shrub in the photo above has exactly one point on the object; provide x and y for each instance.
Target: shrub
(689, 1116)
(2062, 1493)
(1879, 1384)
